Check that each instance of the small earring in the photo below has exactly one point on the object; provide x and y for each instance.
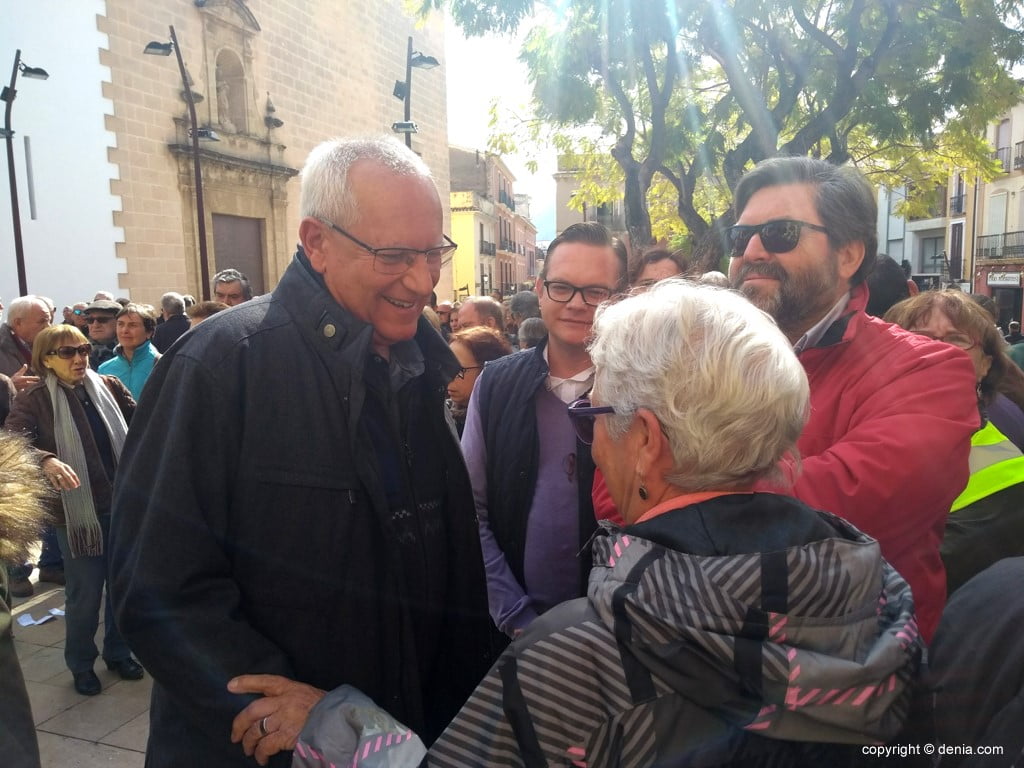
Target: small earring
(643, 492)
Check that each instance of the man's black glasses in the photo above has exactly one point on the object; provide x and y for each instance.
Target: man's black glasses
(778, 236)
(66, 353)
(461, 374)
(581, 414)
(396, 261)
(563, 293)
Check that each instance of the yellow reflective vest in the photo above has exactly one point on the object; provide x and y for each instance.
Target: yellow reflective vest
(996, 463)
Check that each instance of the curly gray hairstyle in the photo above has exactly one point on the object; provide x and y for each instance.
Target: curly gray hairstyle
(717, 373)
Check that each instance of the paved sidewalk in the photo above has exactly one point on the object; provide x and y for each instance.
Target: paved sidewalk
(76, 731)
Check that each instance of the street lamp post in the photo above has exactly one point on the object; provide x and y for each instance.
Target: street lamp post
(403, 90)
(164, 49)
(8, 95)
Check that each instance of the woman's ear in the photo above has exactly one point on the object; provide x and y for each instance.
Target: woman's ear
(651, 442)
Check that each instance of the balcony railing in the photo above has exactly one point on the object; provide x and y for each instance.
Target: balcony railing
(1018, 155)
(488, 248)
(956, 204)
(1009, 245)
(936, 211)
(1003, 156)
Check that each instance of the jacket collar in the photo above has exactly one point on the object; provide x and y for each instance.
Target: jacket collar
(331, 327)
(846, 327)
(143, 351)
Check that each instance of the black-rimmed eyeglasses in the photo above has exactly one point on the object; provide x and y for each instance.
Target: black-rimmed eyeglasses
(396, 261)
(777, 236)
(582, 414)
(461, 373)
(563, 293)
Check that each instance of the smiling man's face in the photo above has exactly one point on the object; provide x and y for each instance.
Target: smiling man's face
(393, 212)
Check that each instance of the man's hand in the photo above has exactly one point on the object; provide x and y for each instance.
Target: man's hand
(23, 381)
(282, 711)
(60, 475)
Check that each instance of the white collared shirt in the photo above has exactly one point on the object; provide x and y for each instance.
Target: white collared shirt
(572, 388)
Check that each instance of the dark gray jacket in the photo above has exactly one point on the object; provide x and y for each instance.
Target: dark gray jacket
(747, 630)
(253, 533)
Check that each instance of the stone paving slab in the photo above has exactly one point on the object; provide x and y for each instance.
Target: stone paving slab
(74, 731)
(66, 752)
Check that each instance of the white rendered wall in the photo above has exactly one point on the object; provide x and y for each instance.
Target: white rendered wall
(69, 246)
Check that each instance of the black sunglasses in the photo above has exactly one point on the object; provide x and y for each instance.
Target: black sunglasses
(581, 414)
(777, 236)
(66, 353)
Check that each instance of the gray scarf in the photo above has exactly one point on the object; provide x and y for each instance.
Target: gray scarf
(84, 533)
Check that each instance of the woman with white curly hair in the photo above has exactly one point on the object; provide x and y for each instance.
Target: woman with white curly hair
(722, 626)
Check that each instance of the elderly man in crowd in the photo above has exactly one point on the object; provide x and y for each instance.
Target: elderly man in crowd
(172, 307)
(285, 535)
(803, 243)
(101, 321)
(231, 287)
(26, 317)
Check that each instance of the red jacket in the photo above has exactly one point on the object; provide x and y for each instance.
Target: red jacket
(886, 445)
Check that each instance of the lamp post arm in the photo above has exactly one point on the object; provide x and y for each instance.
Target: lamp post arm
(408, 91)
(204, 262)
(19, 247)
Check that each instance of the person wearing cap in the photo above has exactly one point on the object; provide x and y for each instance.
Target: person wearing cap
(100, 318)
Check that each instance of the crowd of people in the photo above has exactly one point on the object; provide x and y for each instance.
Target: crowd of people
(636, 515)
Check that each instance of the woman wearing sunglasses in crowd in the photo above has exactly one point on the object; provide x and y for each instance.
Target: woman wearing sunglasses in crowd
(472, 347)
(986, 522)
(722, 626)
(77, 420)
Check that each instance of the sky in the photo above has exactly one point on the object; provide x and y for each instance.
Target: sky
(479, 70)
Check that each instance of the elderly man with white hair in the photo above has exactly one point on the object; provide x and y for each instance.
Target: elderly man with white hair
(172, 308)
(26, 317)
(275, 536)
(722, 626)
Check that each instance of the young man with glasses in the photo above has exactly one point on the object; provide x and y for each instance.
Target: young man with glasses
(892, 414)
(293, 512)
(531, 477)
(101, 325)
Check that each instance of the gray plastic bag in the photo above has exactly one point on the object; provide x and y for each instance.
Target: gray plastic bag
(347, 729)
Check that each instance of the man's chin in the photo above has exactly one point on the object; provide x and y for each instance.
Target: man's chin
(763, 294)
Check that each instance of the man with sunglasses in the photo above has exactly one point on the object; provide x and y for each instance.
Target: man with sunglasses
(531, 477)
(293, 512)
(892, 414)
(101, 325)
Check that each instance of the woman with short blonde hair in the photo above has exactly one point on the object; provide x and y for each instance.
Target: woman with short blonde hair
(77, 422)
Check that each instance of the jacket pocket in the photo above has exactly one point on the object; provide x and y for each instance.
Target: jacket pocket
(298, 527)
